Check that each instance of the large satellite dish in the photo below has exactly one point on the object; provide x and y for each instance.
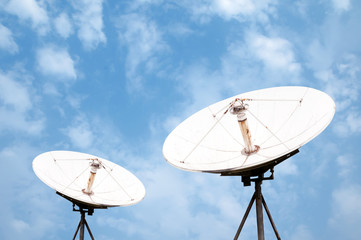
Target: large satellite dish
(249, 130)
(88, 181)
(248, 134)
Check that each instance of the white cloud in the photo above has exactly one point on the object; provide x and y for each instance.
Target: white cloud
(56, 62)
(144, 41)
(276, 53)
(17, 106)
(63, 25)
(234, 7)
(7, 42)
(231, 9)
(30, 10)
(89, 19)
(80, 133)
(341, 5)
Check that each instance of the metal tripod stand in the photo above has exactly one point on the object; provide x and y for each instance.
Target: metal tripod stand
(83, 222)
(260, 203)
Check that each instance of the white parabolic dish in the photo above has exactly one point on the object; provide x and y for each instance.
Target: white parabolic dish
(68, 173)
(280, 121)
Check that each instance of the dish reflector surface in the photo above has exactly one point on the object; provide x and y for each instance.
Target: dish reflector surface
(69, 172)
(280, 120)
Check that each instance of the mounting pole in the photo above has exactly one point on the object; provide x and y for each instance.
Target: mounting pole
(82, 220)
(259, 209)
(94, 166)
(246, 134)
(239, 109)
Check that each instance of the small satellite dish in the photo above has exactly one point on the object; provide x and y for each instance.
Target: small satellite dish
(248, 134)
(249, 131)
(88, 181)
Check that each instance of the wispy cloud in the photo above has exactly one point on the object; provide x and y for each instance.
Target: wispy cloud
(143, 41)
(32, 10)
(346, 213)
(346, 167)
(89, 20)
(348, 124)
(259, 59)
(232, 7)
(241, 10)
(29, 194)
(239, 71)
(341, 81)
(257, 10)
(80, 133)
(63, 25)
(17, 106)
(97, 135)
(56, 62)
(180, 30)
(341, 5)
(332, 57)
(7, 42)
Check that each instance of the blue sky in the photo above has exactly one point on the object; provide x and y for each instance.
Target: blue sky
(113, 78)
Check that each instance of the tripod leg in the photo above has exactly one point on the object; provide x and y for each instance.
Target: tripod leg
(245, 216)
(81, 234)
(87, 226)
(77, 229)
(270, 218)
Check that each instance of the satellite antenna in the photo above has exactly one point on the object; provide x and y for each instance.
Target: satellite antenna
(89, 182)
(248, 135)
